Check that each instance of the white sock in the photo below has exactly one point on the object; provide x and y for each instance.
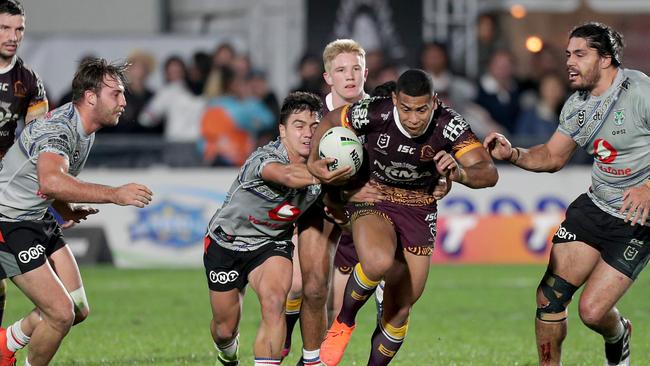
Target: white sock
(230, 349)
(311, 357)
(620, 331)
(16, 339)
(27, 363)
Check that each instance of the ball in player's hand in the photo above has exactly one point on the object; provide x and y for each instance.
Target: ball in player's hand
(343, 145)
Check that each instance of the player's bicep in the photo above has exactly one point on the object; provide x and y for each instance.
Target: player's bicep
(472, 154)
(50, 165)
(37, 110)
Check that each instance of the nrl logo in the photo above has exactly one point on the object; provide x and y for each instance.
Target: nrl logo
(581, 117)
(619, 117)
(383, 140)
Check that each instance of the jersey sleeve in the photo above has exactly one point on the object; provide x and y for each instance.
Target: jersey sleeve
(365, 114)
(569, 122)
(37, 93)
(459, 134)
(49, 136)
(252, 169)
(642, 102)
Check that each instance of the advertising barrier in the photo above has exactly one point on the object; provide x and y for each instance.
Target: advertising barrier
(510, 223)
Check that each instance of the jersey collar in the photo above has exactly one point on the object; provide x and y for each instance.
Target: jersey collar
(8, 68)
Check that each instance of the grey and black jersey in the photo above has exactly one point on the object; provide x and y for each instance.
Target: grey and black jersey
(256, 212)
(60, 132)
(615, 128)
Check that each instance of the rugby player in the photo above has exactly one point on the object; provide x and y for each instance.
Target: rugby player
(39, 169)
(603, 242)
(410, 139)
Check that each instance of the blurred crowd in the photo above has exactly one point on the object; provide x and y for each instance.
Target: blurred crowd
(221, 107)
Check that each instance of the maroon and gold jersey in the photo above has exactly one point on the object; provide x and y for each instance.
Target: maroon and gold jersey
(395, 158)
(20, 90)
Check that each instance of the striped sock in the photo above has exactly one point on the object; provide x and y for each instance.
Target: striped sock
(260, 361)
(357, 291)
(311, 358)
(386, 341)
(16, 339)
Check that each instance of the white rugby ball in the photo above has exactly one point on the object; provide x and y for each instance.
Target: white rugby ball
(343, 145)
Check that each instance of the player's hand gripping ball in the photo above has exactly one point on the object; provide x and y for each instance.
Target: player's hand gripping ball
(343, 145)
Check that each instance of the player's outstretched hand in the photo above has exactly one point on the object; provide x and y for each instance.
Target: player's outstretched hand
(133, 194)
(76, 214)
(335, 177)
(447, 166)
(367, 193)
(636, 204)
(498, 146)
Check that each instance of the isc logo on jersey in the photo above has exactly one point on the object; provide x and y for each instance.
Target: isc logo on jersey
(401, 172)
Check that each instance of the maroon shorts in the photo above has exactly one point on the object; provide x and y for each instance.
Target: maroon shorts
(346, 255)
(415, 226)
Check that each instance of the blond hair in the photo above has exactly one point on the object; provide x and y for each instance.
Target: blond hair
(339, 46)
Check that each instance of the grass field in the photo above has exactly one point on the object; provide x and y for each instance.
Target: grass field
(468, 315)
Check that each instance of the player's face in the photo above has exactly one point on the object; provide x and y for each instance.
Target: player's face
(347, 75)
(12, 28)
(415, 112)
(583, 64)
(296, 134)
(110, 102)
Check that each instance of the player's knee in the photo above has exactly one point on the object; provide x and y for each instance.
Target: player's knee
(377, 268)
(591, 313)
(223, 331)
(315, 291)
(296, 286)
(273, 304)
(553, 296)
(60, 316)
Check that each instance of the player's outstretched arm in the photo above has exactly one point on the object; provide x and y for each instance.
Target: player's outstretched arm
(293, 175)
(316, 165)
(474, 168)
(549, 157)
(55, 182)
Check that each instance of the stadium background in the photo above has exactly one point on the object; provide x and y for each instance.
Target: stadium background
(142, 267)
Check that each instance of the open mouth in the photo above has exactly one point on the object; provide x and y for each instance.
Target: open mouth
(573, 75)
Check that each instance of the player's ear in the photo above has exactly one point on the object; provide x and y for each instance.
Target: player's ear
(394, 97)
(283, 131)
(328, 78)
(91, 97)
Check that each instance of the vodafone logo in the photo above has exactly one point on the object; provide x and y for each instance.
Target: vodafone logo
(604, 151)
(284, 212)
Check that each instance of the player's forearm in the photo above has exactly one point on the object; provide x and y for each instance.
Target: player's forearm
(325, 124)
(536, 159)
(479, 175)
(297, 176)
(66, 188)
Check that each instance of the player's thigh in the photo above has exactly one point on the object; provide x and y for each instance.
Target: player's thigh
(46, 291)
(374, 238)
(271, 281)
(66, 268)
(406, 279)
(573, 261)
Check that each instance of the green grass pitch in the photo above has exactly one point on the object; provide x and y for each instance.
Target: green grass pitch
(468, 315)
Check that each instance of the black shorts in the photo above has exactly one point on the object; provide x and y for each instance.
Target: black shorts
(25, 245)
(621, 245)
(227, 269)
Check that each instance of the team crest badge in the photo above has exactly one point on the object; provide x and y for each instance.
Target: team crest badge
(427, 153)
(619, 117)
(630, 253)
(581, 117)
(383, 140)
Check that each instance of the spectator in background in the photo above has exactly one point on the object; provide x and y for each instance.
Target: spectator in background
(223, 55)
(388, 72)
(538, 123)
(454, 90)
(241, 65)
(311, 75)
(489, 40)
(260, 89)
(198, 72)
(375, 61)
(174, 105)
(499, 92)
(232, 121)
(137, 95)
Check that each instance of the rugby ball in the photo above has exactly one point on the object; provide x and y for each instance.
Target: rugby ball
(343, 145)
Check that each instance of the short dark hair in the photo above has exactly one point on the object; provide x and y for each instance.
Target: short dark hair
(90, 76)
(606, 41)
(415, 83)
(299, 101)
(11, 7)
